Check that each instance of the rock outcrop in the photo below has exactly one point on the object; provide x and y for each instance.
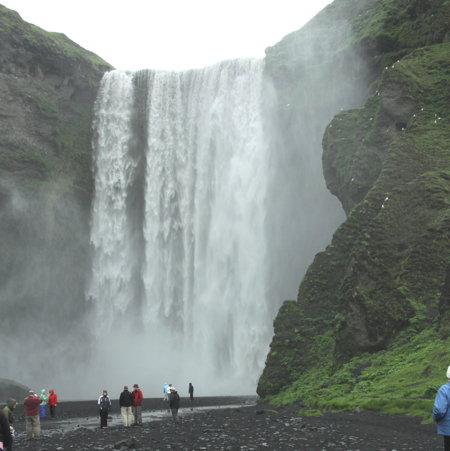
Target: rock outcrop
(48, 86)
(386, 270)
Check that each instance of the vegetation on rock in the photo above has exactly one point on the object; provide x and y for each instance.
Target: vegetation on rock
(48, 86)
(369, 328)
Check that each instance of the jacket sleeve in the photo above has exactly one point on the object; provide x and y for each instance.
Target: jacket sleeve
(440, 405)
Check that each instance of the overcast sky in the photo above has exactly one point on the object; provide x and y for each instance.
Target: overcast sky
(170, 34)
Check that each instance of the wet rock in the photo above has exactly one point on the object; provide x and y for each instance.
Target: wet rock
(130, 443)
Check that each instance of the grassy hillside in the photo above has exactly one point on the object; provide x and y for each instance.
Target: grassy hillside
(369, 328)
(48, 85)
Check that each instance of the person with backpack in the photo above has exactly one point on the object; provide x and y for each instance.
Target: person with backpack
(104, 406)
(138, 397)
(174, 403)
(125, 403)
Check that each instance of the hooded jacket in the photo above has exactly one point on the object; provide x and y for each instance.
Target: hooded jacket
(44, 397)
(441, 411)
(8, 410)
(137, 397)
(52, 399)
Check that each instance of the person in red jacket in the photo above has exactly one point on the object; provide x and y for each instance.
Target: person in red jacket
(137, 407)
(52, 402)
(32, 422)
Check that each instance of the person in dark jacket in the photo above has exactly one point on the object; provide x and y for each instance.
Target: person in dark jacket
(191, 391)
(174, 403)
(138, 397)
(441, 411)
(32, 421)
(104, 406)
(52, 402)
(5, 432)
(125, 403)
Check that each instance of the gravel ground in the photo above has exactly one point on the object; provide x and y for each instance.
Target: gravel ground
(227, 423)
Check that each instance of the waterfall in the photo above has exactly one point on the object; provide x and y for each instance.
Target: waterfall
(178, 232)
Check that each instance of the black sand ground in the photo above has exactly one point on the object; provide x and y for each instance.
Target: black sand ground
(237, 425)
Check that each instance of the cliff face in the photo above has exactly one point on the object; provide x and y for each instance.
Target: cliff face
(48, 86)
(385, 274)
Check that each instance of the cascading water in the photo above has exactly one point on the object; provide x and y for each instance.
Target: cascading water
(178, 225)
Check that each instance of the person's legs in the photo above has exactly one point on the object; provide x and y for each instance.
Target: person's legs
(36, 427)
(52, 411)
(446, 442)
(174, 415)
(139, 415)
(129, 416)
(29, 427)
(103, 419)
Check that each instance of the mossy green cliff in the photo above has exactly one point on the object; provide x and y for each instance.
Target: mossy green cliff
(370, 325)
(48, 86)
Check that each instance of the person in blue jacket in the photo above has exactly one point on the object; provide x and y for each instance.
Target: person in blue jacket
(441, 411)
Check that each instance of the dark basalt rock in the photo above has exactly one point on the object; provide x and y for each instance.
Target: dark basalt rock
(387, 161)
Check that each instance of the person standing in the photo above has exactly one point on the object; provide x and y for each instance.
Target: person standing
(441, 411)
(5, 432)
(174, 403)
(104, 406)
(52, 402)
(125, 403)
(8, 410)
(191, 391)
(32, 421)
(138, 397)
(166, 391)
(43, 407)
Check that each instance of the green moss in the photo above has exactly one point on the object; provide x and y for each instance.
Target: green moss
(401, 379)
(373, 309)
(309, 413)
(47, 44)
